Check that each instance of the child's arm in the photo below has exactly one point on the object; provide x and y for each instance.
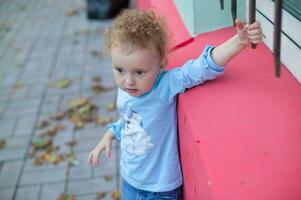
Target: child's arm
(103, 145)
(246, 34)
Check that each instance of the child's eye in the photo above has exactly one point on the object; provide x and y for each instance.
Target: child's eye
(120, 70)
(140, 72)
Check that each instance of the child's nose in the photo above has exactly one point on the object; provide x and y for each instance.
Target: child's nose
(130, 80)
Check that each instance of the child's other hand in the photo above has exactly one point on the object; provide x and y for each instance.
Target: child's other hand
(249, 33)
(104, 145)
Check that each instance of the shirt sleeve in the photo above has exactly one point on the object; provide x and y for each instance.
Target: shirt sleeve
(116, 128)
(192, 73)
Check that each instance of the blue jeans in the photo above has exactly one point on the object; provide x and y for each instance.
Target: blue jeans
(129, 192)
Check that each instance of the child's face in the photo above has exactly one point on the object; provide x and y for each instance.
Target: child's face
(136, 72)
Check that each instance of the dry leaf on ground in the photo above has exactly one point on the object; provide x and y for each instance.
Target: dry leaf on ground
(58, 116)
(100, 195)
(2, 144)
(64, 83)
(41, 143)
(54, 130)
(116, 195)
(65, 196)
(108, 178)
(72, 143)
(111, 106)
(104, 120)
(42, 124)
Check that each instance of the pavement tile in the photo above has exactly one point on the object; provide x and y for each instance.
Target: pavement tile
(12, 154)
(107, 167)
(16, 142)
(45, 52)
(50, 104)
(28, 193)
(9, 79)
(82, 169)
(42, 177)
(19, 91)
(7, 193)
(90, 134)
(7, 126)
(97, 184)
(4, 94)
(9, 174)
(25, 125)
(93, 196)
(36, 90)
(52, 191)
(30, 167)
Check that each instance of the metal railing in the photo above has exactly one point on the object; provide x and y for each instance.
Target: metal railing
(277, 27)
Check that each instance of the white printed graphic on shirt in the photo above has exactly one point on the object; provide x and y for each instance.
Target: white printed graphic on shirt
(134, 139)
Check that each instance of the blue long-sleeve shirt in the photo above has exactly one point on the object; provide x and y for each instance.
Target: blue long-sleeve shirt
(147, 128)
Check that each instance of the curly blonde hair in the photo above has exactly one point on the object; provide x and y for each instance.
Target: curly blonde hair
(136, 29)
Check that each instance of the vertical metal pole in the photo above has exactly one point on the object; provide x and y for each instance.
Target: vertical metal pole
(222, 4)
(252, 16)
(234, 10)
(277, 36)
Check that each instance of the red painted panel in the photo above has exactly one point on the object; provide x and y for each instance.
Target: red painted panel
(240, 135)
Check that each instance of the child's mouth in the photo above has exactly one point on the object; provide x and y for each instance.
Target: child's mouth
(131, 91)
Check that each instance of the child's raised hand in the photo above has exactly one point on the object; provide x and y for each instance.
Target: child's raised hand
(103, 145)
(249, 33)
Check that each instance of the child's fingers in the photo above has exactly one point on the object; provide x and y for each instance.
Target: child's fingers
(239, 24)
(95, 159)
(256, 41)
(255, 37)
(90, 158)
(255, 25)
(254, 32)
(108, 150)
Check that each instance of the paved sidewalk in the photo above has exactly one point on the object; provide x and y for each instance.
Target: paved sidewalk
(44, 44)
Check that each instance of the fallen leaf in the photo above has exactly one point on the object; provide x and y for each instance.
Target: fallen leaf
(104, 120)
(71, 157)
(111, 106)
(41, 143)
(100, 195)
(96, 79)
(116, 195)
(63, 83)
(58, 116)
(71, 12)
(42, 124)
(52, 148)
(81, 111)
(17, 86)
(108, 178)
(97, 88)
(38, 161)
(72, 143)
(53, 158)
(53, 131)
(2, 144)
(65, 196)
(76, 103)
